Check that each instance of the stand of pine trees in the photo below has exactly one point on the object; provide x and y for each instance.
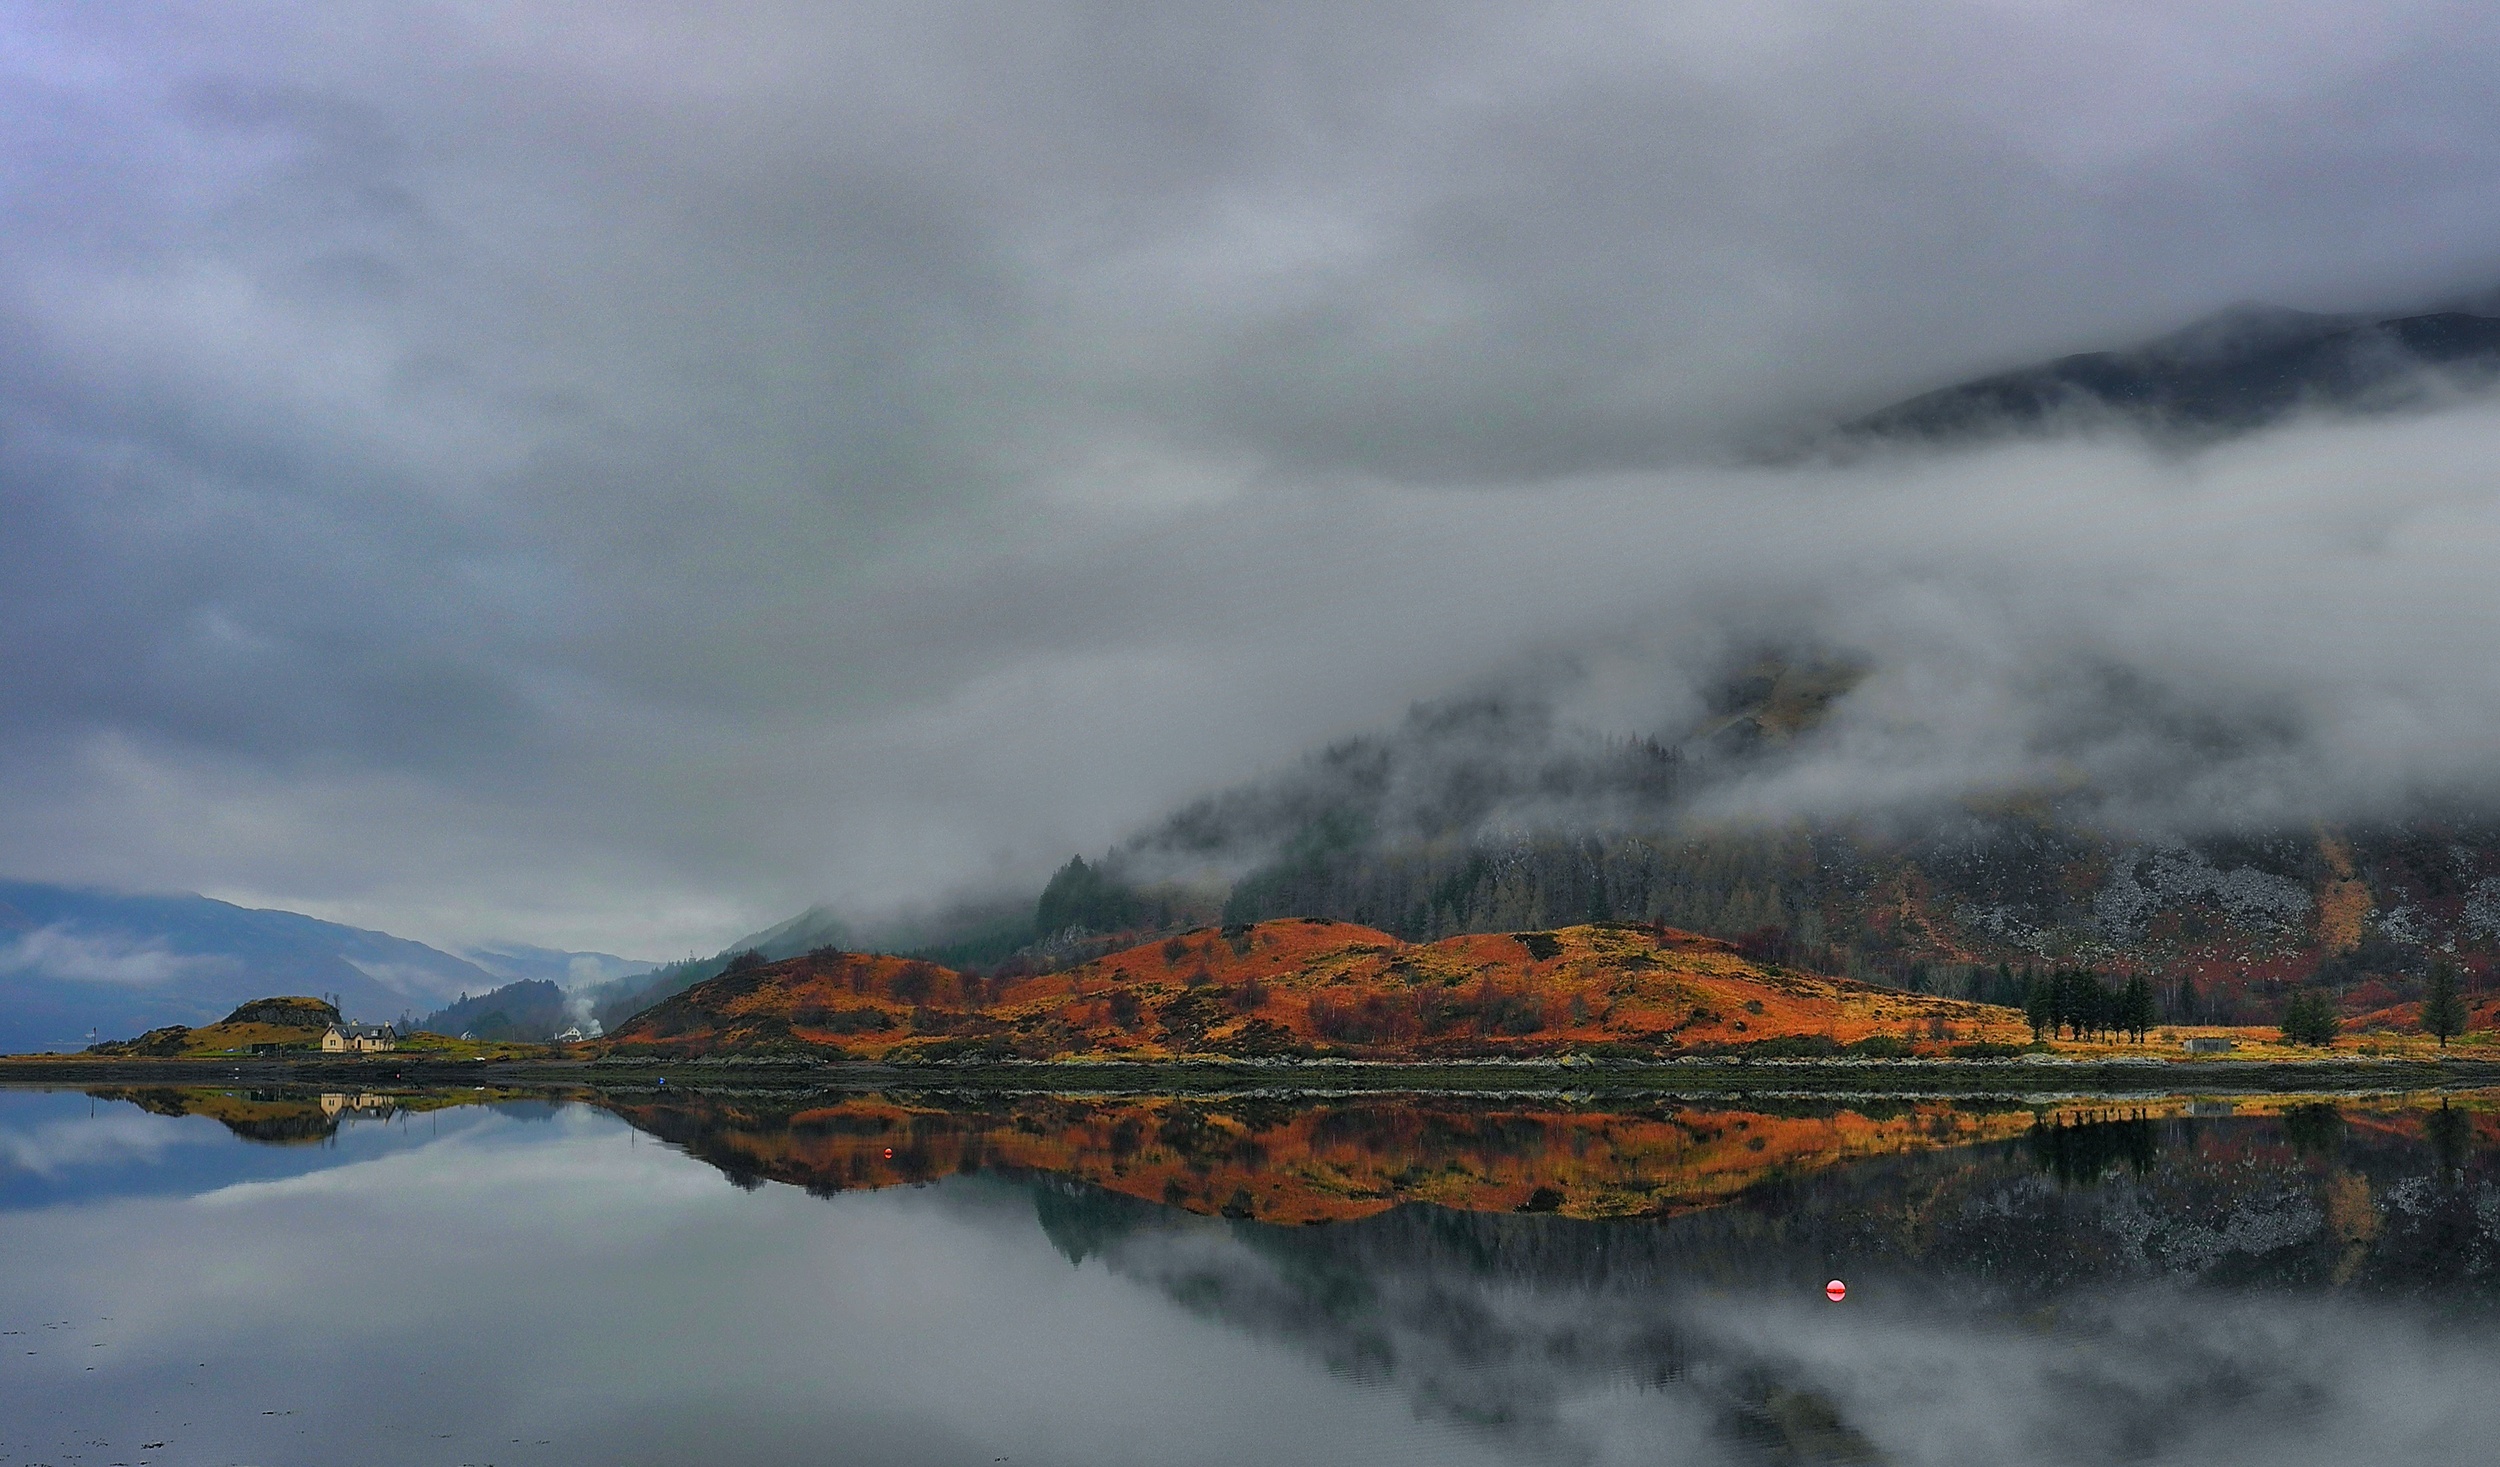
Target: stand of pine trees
(2075, 1002)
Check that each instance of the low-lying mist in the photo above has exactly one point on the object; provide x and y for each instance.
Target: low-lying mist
(2267, 634)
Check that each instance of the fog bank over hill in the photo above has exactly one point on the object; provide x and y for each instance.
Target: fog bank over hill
(2101, 693)
(2088, 697)
(2284, 630)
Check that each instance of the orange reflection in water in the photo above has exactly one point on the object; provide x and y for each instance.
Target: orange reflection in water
(1313, 1161)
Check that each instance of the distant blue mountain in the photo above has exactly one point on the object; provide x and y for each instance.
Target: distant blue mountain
(75, 960)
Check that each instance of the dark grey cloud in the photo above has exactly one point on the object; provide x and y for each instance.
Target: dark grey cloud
(613, 474)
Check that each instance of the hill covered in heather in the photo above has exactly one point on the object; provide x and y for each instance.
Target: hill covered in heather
(1314, 987)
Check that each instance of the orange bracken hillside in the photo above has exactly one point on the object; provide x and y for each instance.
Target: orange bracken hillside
(2482, 1015)
(1310, 987)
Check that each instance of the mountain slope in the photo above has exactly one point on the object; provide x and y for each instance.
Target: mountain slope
(517, 962)
(532, 1011)
(1487, 815)
(1307, 987)
(2240, 370)
(74, 959)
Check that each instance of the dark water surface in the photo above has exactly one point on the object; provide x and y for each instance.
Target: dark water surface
(224, 1277)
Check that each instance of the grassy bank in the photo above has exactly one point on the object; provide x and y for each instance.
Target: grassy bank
(2029, 1075)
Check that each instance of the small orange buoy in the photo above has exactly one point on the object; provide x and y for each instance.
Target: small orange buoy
(1835, 1291)
(889, 1153)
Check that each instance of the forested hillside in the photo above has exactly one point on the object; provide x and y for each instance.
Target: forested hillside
(1491, 814)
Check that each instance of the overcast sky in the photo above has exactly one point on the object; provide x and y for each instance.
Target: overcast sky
(612, 474)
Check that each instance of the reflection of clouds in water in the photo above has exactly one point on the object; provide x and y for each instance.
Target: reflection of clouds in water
(1594, 1372)
(1608, 1344)
(560, 1282)
(51, 1148)
(2150, 1375)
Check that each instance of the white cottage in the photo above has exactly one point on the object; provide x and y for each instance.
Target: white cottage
(345, 1038)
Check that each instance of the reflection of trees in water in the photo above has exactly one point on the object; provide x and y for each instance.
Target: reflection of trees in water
(2314, 1130)
(1774, 1420)
(2083, 1152)
(2451, 1133)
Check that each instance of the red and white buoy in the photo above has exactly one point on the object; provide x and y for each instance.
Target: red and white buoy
(889, 1153)
(1835, 1291)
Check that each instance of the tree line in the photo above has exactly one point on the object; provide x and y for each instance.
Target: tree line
(2076, 1003)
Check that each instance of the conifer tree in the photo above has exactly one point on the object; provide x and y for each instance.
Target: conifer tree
(2309, 1018)
(2135, 1007)
(2443, 1008)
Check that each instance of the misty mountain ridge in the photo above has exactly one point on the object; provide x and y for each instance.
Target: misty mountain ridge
(79, 959)
(1496, 813)
(74, 959)
(2239, 370)
(1812, 800)
(519, 961)
(551, 991)
(531, 1010)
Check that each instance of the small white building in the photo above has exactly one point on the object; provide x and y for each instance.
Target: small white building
(346, 1038)
(335, 1103)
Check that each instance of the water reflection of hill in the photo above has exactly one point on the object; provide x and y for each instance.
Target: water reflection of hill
(1985, 1174)
(2092, 1282)
(289, 1117)
(2008, 1201)
(2065, 1294)
(1305, 1162)
(2394, 1201)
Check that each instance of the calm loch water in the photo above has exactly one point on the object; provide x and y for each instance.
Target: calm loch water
(223, 1277)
